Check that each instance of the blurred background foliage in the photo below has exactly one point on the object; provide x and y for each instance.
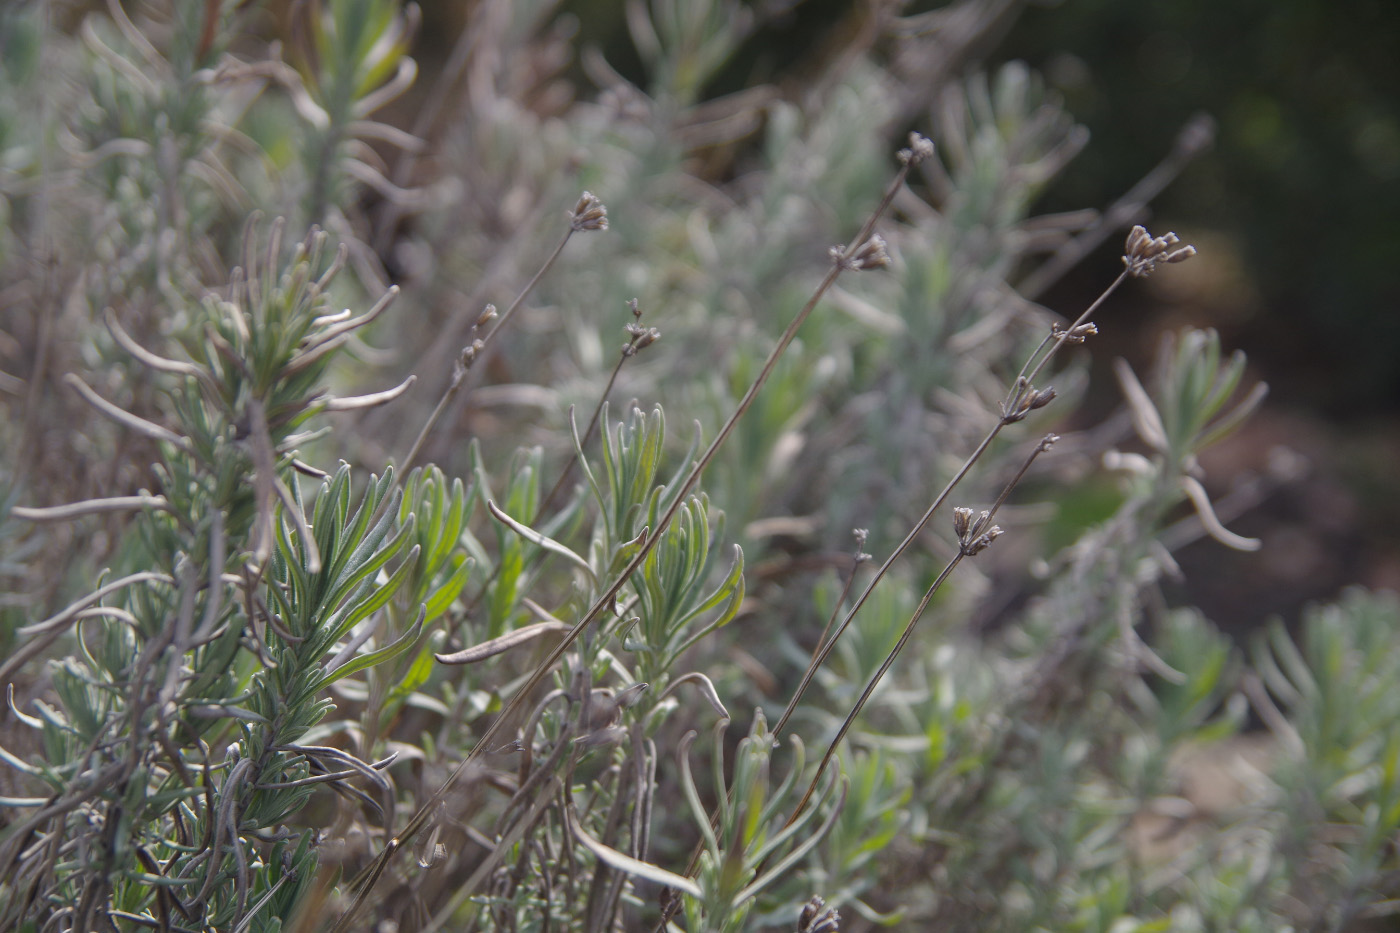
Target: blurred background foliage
(1295, 200)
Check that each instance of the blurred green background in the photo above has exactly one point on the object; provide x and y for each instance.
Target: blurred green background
(1294, 208)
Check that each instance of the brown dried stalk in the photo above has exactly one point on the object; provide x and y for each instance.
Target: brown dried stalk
(864, 251)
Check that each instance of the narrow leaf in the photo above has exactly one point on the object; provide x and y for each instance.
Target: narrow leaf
(489, 649)
(628, 864)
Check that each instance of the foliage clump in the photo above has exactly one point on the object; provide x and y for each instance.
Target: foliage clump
(441, 655)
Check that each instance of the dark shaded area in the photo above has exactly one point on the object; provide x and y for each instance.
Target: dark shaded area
(1305, 176)
(1294, 209)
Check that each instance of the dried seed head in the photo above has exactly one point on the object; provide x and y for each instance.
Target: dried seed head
(1025, 400)
(1077, 334)
(636, 312)
(981, 542)
(1143, 251)
(816, 917)
(861, 535)
(1042, 398)
(972, 538)
(962, 521)
(642, 337)
(469, 354)
(920, 148)
(870, 255)
(488, 314)
(589, 214)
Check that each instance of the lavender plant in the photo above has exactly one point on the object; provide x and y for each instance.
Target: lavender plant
(456, 680)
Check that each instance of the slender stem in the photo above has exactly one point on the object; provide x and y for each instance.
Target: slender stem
(422, 817)
(1028, 372)
(548, 499)
(587, 436)
(860, 558)
(1083, 318)
(880, 573)
(460, 373)
(1040, 448)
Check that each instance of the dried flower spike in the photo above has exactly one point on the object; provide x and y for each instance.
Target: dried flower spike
(972, 539)
(962, 521)
(871, 255)
(981, 542)
(1077, 334)
(589, 214)
(642, 337)
(920, 148)
(1026, 400)
(861, 536)
(816, 917)
(1143, 251)
(469, 354)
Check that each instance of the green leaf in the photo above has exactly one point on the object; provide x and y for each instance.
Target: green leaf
(370, 659)
(360, 572)
(441, 598)
(353, 614)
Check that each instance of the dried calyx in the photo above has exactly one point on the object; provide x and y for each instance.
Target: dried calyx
(872, 254)
(920, 148)
(971, 528)
(1143, 251)
(589, 214)
(1025, 399)
(816, 917)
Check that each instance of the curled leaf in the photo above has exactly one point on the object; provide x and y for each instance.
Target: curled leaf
(544, 541)
(1197, 494)
(626, 863)
(489, 649)
(706, 688)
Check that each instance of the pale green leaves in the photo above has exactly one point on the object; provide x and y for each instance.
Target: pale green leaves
(1188, 412)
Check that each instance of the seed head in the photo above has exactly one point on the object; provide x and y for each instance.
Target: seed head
(642, 337)
(1042, 398)
(983, 541)
(871, 255)
(1143, 251)
(861, 535)
(1077, 334)
(589, 214)
(816, 917)
(920, 148)
(1025, 400)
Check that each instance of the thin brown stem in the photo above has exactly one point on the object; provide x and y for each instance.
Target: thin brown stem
(607, 598)
(568, 471)
(1033, 366)
(460, 372)
(870, 687)
(548, 501)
